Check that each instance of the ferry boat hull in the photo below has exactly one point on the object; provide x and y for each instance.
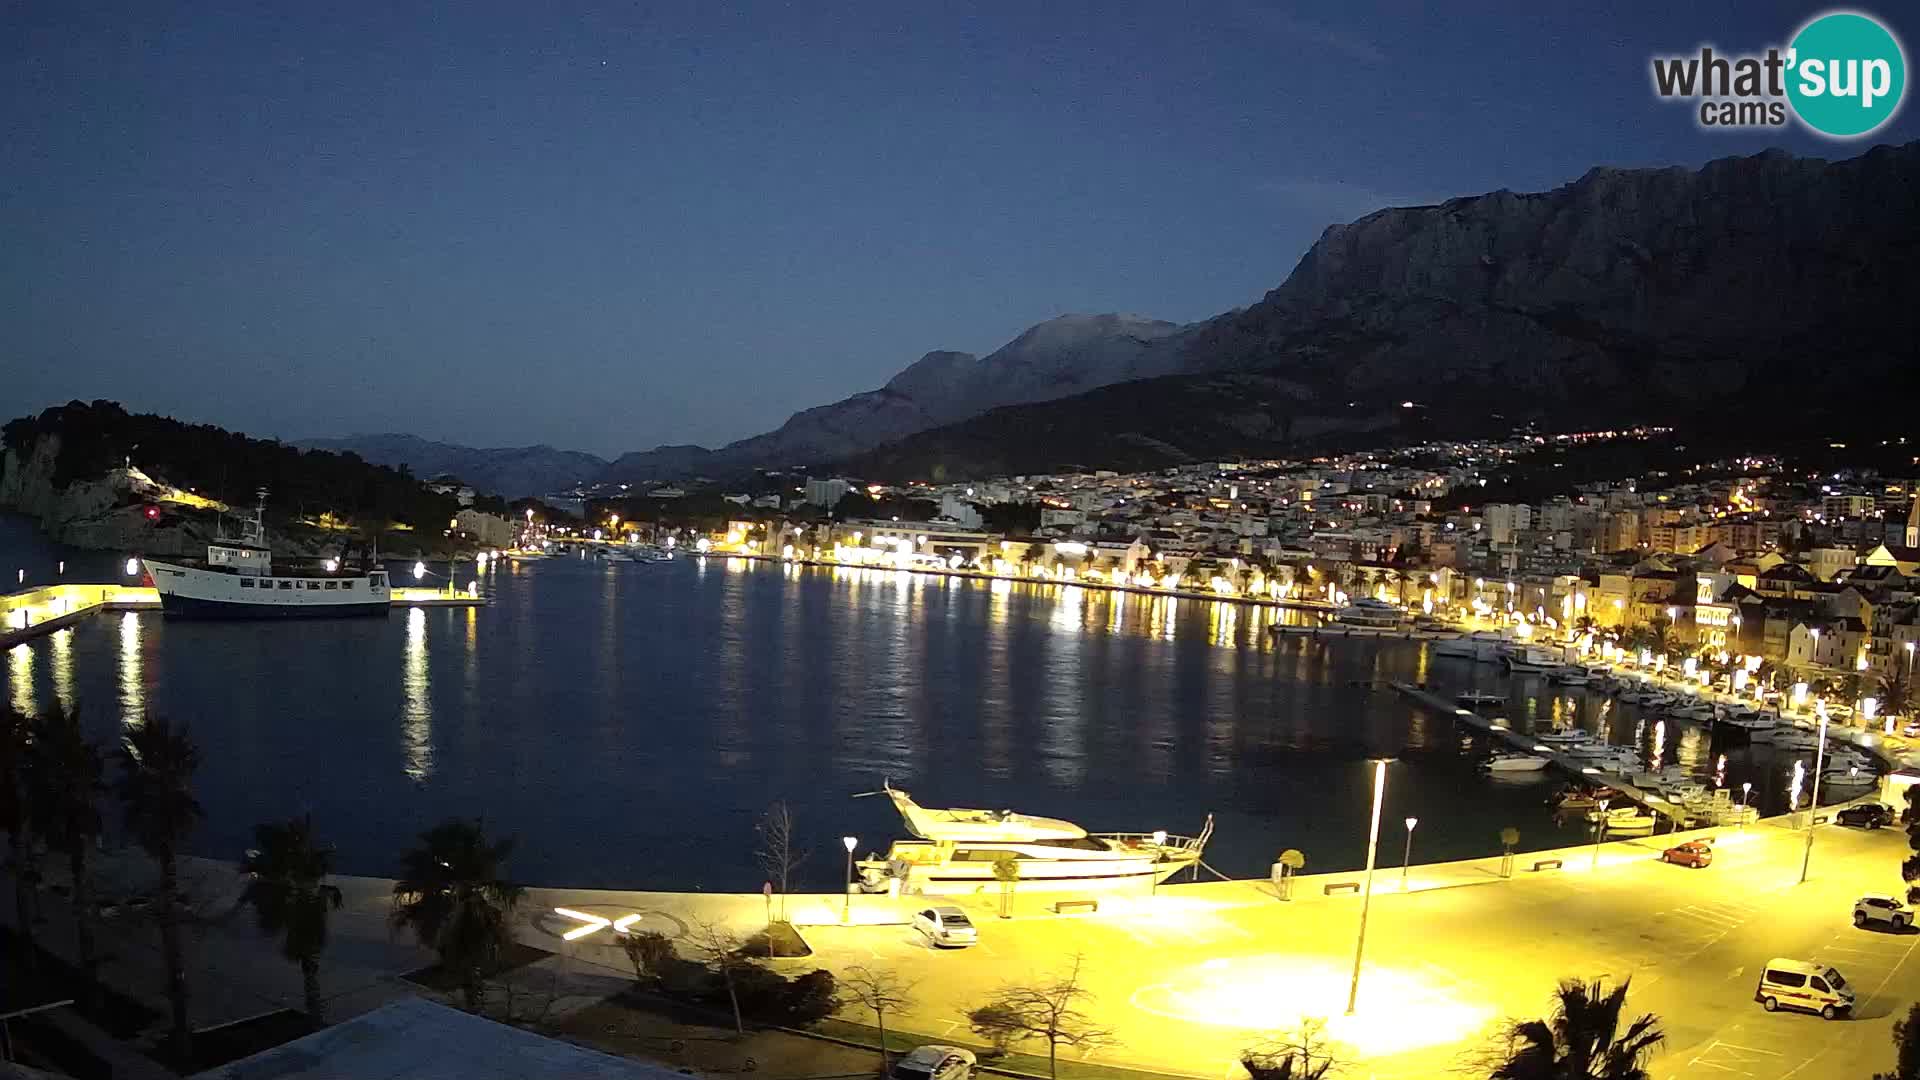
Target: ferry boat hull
(191, 592)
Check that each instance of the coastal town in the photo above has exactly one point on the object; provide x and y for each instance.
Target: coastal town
(1816, 574)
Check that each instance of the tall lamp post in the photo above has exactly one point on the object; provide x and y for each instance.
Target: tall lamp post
(1599, 831)
(1366, 900)
(1407, 856)
(1746, 795)
(1813, 806)
(846, 910)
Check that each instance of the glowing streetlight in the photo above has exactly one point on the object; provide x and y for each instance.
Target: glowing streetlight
(1407, 857)
(133, 567)
(1746, 798)
(1366, 902)
(846, 911)
(419, 571)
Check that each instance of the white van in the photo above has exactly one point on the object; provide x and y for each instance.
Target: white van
(1803, 984)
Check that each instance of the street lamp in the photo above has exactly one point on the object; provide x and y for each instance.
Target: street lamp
(1599, 830)
(1407, 857)
(1813, 806)
(1366, 901)
(846, 910)
(1746, 796)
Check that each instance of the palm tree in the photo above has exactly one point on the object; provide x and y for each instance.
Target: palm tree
(451, 895)
(1582, 1040)
(291, 897)
(63, 771)
(14, 730)
(1896, 692)
(157, 761)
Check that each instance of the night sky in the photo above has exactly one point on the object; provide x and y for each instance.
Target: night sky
(611, 226)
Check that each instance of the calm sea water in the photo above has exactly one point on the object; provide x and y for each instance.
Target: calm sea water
(629, 723)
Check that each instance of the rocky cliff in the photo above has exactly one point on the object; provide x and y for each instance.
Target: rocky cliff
(98, 514)
(1767, 294)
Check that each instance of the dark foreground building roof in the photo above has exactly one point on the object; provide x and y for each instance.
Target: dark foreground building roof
(415, 1039)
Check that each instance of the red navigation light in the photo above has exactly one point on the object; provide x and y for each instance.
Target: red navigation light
(153, 513)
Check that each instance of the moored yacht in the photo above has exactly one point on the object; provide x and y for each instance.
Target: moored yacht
(957, 848)
(1531, 658)
(238, 581)
(1483, 645)
(1369, 612)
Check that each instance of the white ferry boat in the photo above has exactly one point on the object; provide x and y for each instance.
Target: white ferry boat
(957, 849)
(238, 581)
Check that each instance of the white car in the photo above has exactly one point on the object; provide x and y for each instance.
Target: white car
(945, 925)
(934, 1063)
(1882, 909)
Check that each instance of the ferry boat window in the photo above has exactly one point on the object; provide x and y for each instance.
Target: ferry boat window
(346, 584)
(331, 585)
(286, 584)
(984, 855)
(246, 583)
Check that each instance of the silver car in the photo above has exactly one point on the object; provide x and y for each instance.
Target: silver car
(934, 1063)
(1882, 909)
(945, 925)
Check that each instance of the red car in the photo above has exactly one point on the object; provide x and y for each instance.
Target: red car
(1694, 853)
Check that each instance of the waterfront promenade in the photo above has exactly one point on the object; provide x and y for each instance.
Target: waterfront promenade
(36, 612)
(1188, 976)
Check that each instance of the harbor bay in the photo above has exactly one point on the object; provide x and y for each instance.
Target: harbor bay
(630, 723)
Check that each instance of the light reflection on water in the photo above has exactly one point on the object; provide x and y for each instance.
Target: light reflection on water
(416, 719)
(20, 678)
(629, 721)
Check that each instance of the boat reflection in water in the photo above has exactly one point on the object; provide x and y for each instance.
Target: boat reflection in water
(958, 848)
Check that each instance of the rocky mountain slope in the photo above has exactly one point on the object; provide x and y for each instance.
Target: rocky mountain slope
(508, 471)
(1770, 292)
(1060, 357)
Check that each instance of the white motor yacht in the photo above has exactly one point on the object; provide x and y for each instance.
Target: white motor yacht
(1368, 612)
(1482, 645)
(1759, 728)
(1531, 659)
(957, 848)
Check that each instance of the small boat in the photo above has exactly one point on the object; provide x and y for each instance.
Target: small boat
(1634, 823)
(1569, 676)
(1474, 699)
(1758, 728)
(1514, 763)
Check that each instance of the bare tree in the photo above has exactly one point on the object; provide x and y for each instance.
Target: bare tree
(1047, 1010)
(1303, 1053)
(719, 948)
(777, 855)
(879, 990)
(649, 951)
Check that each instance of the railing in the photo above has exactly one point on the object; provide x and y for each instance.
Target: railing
(1163, 841)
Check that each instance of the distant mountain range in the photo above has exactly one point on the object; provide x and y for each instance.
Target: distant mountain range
(1770, 292)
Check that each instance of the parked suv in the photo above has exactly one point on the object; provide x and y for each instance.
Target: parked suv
(1866, 815)
(1882, 909)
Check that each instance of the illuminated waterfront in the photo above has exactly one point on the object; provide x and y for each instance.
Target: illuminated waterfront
(629, 722)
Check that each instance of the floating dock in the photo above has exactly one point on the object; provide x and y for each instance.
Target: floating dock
(34, 613)
(1529, 745)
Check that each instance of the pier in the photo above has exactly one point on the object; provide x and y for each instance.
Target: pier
(33, 613)
(1568, 765)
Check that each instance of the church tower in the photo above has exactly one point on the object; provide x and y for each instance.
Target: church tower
(1913, 522)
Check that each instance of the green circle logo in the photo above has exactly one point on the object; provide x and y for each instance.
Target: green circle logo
(1847, 74)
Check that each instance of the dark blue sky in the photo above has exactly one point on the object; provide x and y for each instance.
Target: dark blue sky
(612, 226)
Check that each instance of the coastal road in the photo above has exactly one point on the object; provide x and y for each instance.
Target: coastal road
(1189, 977)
